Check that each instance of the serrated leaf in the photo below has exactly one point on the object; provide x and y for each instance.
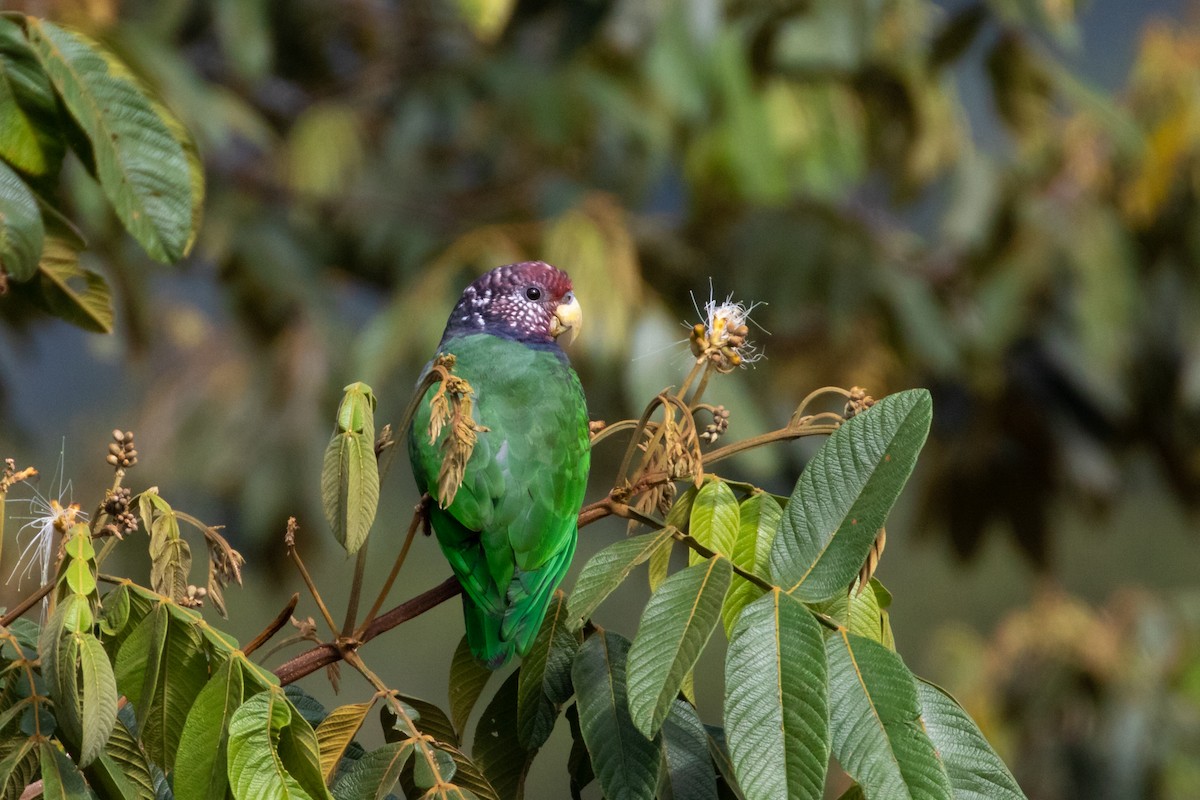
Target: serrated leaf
(497, 749)
(142, 168)
(545, 675)
(974, 769)
(350, 488)
(373, 776)
(468, 678)
(205, 735)
(273, 752)
(675, 626)
(758, 518)
(121, 772)
(844, 495)
(625, 762)
(688, 773)
(605, 571)
(28, 109)
(335, 733)
(78, 295)
(875, 722)
(776, 705)
(714, 520)
(21, 230)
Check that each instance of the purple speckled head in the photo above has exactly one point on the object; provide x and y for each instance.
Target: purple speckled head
(516, 301)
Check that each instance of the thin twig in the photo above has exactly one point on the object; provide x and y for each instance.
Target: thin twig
(360, 567)
(418, 515)
(294, 554)
(26, 604)
(275, 626)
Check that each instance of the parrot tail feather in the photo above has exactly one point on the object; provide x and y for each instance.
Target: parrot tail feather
(529, 596)
(483, 635)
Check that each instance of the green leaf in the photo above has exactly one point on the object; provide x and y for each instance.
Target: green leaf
(350, 487)
(497, 749)
(335, 733)
(21, 230)
(18, 766)
(975, 771)
(714, 520)
(875, 722)
(273, 752)
(78, 295)
(29, 119)
(61, 779)
(205, 735)
(467, 680)
(429, 719)
(861, 612)
(579, 763)
(545, 682)
(142, 168)
(122, 771)
(85, 696)
(162, 668)
(758, 517)
(605, 571)
(776, 702)
(689, 773)
(845, 494)
(373, 776)
(625, 762)
(432, 766)
(674, 628)
(677, 517)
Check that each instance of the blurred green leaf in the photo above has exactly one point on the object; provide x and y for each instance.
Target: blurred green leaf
(29, 120)
(21, 230)
(78, 295)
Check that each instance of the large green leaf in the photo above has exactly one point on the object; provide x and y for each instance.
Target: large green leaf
(21, 230)
(975, 771)
(875, 722)
(85, 694)
(776, 702)
(688, 773)
(29, 117)
(273, 752)
(373, 776)
(674, 628)
(202, 774)
(61, 779)
(625, 762)
(758, 517)
(468, 678)
(141, 166)
(18, 766)
(605, 571)
(161, 668)
(862, 612)
(545, 682)
(335, 733)
(122, 771)
(714, 520)
(497, 748)
(844, 495)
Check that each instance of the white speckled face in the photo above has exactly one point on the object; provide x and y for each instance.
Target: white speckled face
(516, 301)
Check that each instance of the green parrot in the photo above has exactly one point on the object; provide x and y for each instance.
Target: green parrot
(509, 533)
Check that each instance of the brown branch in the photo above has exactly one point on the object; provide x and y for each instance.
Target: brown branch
(325, 654)
(26, 604)
(272, 629)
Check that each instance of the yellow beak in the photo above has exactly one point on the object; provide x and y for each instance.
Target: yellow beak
(568, 319)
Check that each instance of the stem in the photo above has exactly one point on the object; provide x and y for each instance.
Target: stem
(312, 588)
(26, 604)
(276, 624)
(360, 566)
(627, 459)
(325, 654)
(701, 362)
(107, 547)
(616, 427)
(418, 514)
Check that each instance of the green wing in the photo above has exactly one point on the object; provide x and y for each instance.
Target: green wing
(510, 532)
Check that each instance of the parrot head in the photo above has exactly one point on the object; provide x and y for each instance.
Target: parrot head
(531, 302)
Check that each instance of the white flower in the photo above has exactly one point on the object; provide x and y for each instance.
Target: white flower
(46, 518)
(724, 335)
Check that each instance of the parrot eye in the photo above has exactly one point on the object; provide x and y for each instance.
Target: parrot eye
(533, 293)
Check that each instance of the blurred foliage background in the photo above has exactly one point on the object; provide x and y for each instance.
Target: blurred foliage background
(998, 200)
